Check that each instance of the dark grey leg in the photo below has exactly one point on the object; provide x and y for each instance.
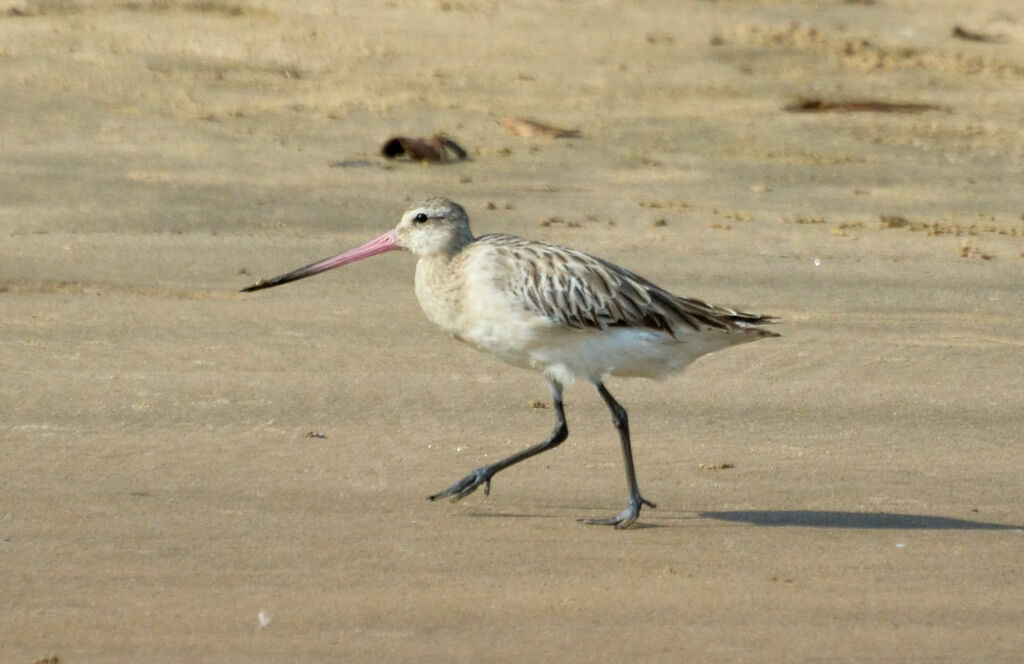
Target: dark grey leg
(483, 475)
(621, 421)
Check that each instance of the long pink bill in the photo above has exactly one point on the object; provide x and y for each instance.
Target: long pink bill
(386, 242)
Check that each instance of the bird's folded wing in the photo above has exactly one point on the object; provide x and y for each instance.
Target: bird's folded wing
(576, 290)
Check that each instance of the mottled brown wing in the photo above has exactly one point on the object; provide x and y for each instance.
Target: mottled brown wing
(580, 291)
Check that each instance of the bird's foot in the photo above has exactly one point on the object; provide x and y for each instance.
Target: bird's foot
(468, 485)
(625, 518)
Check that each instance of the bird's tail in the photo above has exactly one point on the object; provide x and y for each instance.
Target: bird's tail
(754, 321)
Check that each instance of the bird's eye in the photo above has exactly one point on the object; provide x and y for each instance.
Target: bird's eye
(420, 218)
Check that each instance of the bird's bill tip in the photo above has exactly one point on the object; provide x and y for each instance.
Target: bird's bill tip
(262, 283)
(386, 242)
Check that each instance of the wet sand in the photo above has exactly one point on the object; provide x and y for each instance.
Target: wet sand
(162, 498)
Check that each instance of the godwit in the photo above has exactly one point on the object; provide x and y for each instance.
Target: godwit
(562, 312)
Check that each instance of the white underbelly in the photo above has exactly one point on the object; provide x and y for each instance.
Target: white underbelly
(569, 354)
(619, 351)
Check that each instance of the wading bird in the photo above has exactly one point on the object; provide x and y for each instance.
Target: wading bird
(562, 312)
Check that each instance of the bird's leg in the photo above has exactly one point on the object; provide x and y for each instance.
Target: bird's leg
(621, 421)
(483, 475)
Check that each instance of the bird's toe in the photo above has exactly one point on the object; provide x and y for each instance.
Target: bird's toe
(625, 518)
(467, 485)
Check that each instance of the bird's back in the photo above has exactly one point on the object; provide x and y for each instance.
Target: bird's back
(581, 291)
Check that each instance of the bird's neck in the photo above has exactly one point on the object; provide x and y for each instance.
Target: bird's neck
(438, 287)
(444, 255)
(459, 242)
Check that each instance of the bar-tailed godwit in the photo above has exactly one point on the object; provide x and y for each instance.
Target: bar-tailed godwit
(562, 312)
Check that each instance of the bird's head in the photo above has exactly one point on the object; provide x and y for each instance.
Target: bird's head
(436, 226)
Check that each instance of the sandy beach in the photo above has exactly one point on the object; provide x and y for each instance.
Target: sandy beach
(192, 474)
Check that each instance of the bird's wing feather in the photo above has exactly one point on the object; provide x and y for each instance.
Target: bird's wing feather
(577, 290)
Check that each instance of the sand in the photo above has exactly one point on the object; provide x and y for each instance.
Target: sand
(189, 474)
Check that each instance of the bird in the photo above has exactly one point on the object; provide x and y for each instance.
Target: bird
(565, 313)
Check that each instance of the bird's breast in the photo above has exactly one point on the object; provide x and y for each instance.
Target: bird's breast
(468, 299)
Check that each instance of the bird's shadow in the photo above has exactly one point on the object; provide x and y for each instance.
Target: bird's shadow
(856, 520)
(798, 519)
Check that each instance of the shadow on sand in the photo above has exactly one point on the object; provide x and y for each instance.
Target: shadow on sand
(866, 520)
(792, 518)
